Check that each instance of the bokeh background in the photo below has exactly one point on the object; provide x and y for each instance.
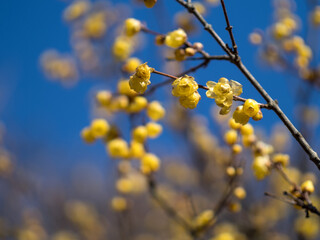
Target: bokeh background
(43, 119)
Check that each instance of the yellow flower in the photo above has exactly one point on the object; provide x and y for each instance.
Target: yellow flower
(141, 79)
(251, 107)
(139, 103)
(176, 38)
(124, 88)
(118, 148)
(124, 185)
(203, 219)
(223, 93)
(184, 86)
(155, 111)
(119, 204)
(307, 186)
(316, 16)
(140, 134)
(95, 26)
(231, 137)
(239, 192)
(190, 101)
(154, 129)
(239, 116)
(104, 98)
(87, 135)
(136, 149)
(149, 163)
(283, 159)
(99, 128)
(247, 129)
(234, 125)
(131, 65)
(260, 166)
(132, 26)
(122, 48)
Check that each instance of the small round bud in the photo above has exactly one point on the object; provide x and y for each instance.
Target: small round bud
(190, 51)
(104, 98)
(154, 129)
(155, 111)
(198, 46)
(231, 136)
(258, 116)
(307, 186)
(230, 171)
(236, 148)
(150, 3)
(239, 192)
(140, 134)
(132, 26)
(180, 54)
(119, 204)
(149, 163)
(160, 39)
(99, 128)
(247, 130)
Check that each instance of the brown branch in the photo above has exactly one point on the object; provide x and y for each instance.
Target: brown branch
(270, 101)
(170, 211)
(190, 70)
(229, 29)
(214, 57)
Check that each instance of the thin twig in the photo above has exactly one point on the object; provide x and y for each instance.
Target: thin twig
(215, 57)
(168, 81)
(270, 101)
(229, 29)
(170, 211)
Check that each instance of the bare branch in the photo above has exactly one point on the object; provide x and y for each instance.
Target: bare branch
(270, 101)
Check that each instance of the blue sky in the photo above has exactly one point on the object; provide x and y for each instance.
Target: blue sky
(43, 119)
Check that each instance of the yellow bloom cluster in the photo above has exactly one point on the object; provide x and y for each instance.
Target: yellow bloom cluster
(284, 27)
(186, 89)
(303, 52)
(176, 38)
(223, 92)
(249, 109)
(141, 79)
(58, 66)
(98, 129)
(127, 101)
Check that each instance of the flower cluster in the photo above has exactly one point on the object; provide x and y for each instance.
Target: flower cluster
(250, 108)
(186, 89)
(141, 79)
(223, 92)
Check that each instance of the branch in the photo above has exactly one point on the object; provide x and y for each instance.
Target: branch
(195, 68)
(270, 101)
(229, 29)
(215, 57)
(170, 211)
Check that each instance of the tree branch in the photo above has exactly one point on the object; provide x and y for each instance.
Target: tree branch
(272, 103)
